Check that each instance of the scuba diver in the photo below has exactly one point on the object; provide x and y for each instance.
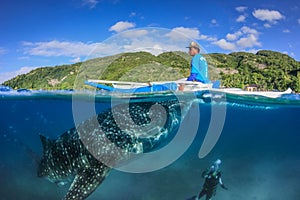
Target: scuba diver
(212, 179)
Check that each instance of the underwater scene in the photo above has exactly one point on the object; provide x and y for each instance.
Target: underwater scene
(68, 145)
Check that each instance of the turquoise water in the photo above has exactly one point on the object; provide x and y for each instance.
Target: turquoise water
(258, 145)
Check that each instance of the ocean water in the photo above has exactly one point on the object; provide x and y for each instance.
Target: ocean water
(259, 146)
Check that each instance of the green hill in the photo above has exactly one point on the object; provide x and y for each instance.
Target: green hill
(271, 70)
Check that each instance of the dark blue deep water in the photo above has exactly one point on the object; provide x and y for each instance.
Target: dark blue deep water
(259, 147)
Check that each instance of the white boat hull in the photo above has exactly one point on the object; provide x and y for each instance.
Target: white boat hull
(256, 93)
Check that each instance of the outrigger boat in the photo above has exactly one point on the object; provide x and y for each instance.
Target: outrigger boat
(180, 85)
(136, 87)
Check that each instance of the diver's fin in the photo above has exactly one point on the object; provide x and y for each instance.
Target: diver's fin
(86, 181)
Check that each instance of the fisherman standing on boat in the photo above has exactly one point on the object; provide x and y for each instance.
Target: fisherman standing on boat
(212, 180)
(199, 69)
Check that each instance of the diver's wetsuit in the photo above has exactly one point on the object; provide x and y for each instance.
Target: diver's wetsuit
(212, 179)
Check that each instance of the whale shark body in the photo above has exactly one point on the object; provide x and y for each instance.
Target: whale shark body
(84, 155)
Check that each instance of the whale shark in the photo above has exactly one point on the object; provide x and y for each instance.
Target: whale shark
(84, 155)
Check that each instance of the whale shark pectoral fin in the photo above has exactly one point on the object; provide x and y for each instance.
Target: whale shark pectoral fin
(86, 181)
(47, 143)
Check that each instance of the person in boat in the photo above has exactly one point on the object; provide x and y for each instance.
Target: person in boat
(199, 67)
(212, 180)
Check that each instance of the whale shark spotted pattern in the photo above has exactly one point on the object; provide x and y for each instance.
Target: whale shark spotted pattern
(85, 155)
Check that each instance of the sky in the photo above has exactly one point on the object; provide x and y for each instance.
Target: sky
(35, 33)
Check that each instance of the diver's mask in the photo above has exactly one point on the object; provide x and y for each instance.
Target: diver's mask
(215, 167)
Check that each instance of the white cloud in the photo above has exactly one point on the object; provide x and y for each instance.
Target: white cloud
(153, 40)
(207, 38)
(157, 41)
(72, 49)
(57, 48)
(151, 45)
(4, 76)
(75, 60)
(121, 26)
(271, 16)
(266, 25)
(234, 36)
(2, 50)
(254, 51)
(247, 30)
(248, 42)
(241, 8)
(293, 54)
(132, 14)
(298, 20)
(242, 39)
(222, 43)
(285, 52)
(90, 3)
(286, 31)
(149, 39)
(241, 18)
(181, 33)
(250, 39)
(134, 33)
(214, 22)
(24, 58)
